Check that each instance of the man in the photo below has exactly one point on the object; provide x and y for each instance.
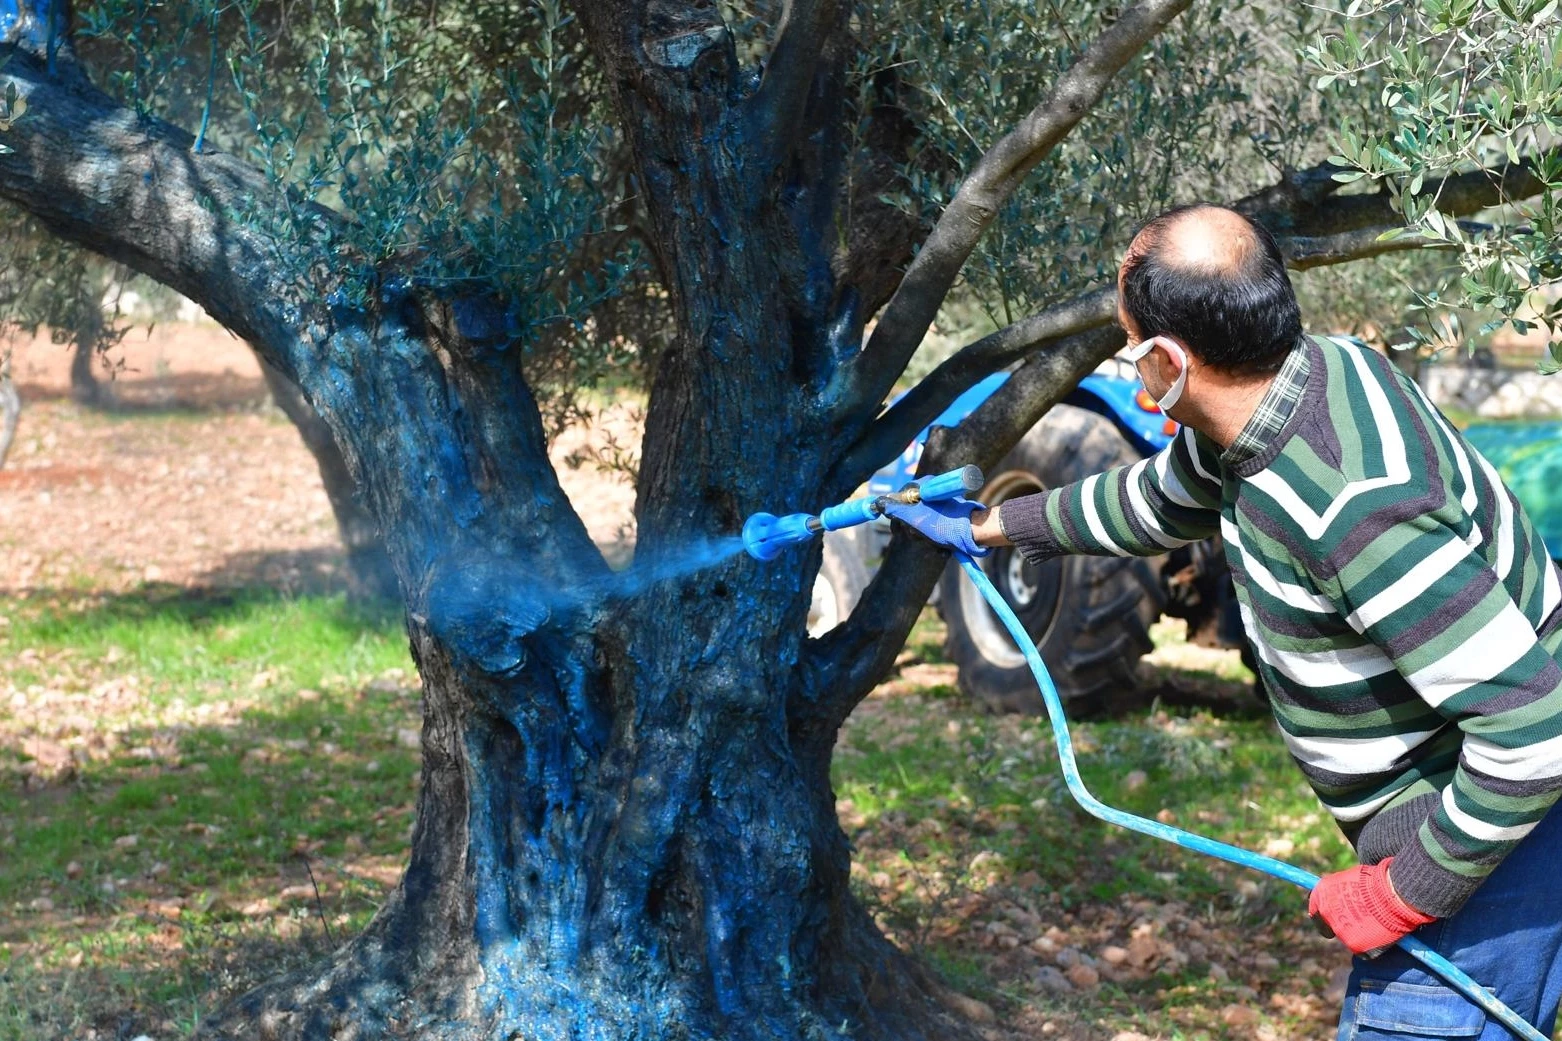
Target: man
(1403, 612)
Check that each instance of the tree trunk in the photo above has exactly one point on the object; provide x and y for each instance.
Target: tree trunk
(626, 827)
(551, 897)
(10, 408)
(622, 831)
(85, 389)
(370, 576)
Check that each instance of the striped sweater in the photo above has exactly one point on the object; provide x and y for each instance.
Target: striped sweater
(1401, 607)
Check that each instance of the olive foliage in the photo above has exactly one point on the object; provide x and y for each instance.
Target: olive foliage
(1460, 87)
(470, 147)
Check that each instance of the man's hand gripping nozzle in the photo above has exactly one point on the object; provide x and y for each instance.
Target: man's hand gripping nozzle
(765, 535)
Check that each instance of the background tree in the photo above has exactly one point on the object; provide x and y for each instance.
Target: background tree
(625, 824)
(49, 284)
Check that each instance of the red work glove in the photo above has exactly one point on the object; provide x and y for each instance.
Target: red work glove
(1360, 907)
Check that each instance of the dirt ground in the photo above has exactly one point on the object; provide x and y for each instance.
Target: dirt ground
(210, 485)
(219, 491)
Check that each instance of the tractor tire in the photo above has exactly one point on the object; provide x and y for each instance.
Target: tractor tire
(841, 579)
(1089, 616)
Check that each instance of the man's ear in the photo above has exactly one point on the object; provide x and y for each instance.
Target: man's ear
(1176, 353)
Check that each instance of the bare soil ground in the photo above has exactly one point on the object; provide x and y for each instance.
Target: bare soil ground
(218, 491)
(190, 478)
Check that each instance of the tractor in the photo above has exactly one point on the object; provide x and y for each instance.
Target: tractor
(1089, 616)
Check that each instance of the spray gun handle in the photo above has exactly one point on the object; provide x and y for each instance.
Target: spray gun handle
(928, 489)
(948, 485)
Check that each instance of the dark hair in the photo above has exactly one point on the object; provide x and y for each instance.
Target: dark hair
(1240, 318)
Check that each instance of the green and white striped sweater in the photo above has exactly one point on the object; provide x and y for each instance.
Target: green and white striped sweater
(1402, 608)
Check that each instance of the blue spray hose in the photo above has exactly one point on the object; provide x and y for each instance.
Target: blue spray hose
(1451, 974)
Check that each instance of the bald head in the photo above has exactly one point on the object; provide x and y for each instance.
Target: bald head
(1215, 281)
(1208, 239)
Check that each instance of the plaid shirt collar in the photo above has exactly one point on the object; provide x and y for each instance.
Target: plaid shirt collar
(1278, 403)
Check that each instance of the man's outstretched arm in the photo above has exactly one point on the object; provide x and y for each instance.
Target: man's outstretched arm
(1154, 505)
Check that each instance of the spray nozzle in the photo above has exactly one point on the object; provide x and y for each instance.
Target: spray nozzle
(765, 535)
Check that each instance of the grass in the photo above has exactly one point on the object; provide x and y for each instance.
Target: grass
(201, 790)
(965, 833)
(223, 756)
(199, 646)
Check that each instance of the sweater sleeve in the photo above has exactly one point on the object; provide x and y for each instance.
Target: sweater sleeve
(1422, 592)
(1154, 505)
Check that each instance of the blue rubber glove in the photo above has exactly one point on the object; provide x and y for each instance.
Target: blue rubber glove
(946, 522)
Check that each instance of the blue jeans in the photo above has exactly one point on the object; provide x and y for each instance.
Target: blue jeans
(1508, 937)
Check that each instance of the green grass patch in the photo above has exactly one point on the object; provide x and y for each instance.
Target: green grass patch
(238, 778)
(962, 825)
(199, 645)
(1231, 778)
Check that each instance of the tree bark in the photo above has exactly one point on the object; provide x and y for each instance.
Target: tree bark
(85, 389)
(370, 575)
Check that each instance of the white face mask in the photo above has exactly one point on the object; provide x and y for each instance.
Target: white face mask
(1144, 347)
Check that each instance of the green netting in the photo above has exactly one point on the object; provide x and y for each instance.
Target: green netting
(1529, 457)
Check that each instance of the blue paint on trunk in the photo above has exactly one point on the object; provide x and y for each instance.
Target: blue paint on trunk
(33, 23)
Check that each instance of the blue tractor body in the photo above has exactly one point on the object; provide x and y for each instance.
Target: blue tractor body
(1118, 398)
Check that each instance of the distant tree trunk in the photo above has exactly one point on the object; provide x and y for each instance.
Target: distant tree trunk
(85, 389)
(370, 575)
(10, 408)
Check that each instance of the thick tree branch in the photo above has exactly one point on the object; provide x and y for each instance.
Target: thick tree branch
(1303, 253)
(1307, 203)
(801, 42)
(860, 653)
(842, 667)
(891, 432)
(881, 237)
(910, 312)
(985, 436)
(132, 190)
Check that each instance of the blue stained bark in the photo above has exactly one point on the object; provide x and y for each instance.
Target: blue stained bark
(35, 23)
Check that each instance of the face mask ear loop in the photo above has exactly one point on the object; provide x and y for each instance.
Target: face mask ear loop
(1174, 395)
(1144, 347)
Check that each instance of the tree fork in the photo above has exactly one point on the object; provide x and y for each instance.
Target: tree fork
(450, 454)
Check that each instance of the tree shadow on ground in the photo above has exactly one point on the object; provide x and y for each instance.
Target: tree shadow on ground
(1223, 699)
(155, 998)
(192, 393)
(314, 571)
(241, 578)
(319, 571)
(197, 840)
